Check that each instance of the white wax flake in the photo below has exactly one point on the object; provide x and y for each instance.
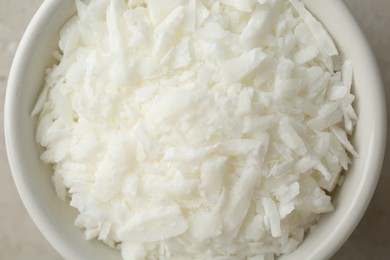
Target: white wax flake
(183, 55)
(255, 228)
(287, 88)
(205, 225)
(163, 44)
(336, 92)
(324, 40)
(286, 194)
(159, 223)
(285, 209)
(212, 176)
(239, 203)
(104, 230)
(350, 118)
(272, 214)
(116, 24)
(145, 139)
(91, 233)
(347, 70)
(260, 24)
(328, 109)
(130, 185)
(243, 5)
(244, 101)
(159, 10)
(290, 137)
(321, 123)
(237, 69)
(197, 129)
(342, 137)
(323, 170)
(281, 169)
(172, 22)
(306, 55)
(111, 170)
(56, 151)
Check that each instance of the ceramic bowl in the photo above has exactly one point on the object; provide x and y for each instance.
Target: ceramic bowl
(55, 218)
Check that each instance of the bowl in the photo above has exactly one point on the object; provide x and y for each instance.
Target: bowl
(55, 218)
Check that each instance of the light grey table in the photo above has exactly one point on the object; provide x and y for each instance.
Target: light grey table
(20, 239)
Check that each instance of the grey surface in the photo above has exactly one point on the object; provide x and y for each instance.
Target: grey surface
(20, 239)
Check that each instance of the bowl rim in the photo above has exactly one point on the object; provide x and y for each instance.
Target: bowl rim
(36, 26)
(365, 191)
(339, 235)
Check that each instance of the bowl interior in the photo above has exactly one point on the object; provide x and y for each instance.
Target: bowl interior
(55, 218)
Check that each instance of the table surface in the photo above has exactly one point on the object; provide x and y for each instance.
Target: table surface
(20, 239)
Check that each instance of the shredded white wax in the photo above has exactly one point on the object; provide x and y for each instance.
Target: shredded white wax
(196, 129)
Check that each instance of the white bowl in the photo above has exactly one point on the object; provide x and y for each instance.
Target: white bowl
(55, 218)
